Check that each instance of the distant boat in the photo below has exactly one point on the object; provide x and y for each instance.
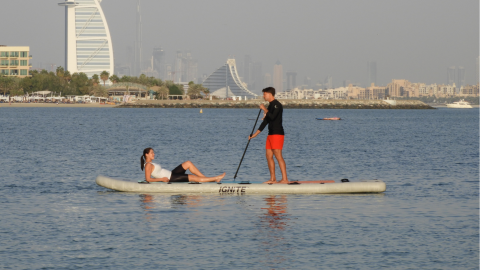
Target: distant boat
(329, 118)
(462, 104)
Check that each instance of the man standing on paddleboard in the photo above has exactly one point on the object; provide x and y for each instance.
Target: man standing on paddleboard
(273, 118)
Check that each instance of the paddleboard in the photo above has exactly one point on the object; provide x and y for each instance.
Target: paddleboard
(364, 186)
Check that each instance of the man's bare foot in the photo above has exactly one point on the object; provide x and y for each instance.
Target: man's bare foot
(270, 181)
(283, 181)
(220, 177)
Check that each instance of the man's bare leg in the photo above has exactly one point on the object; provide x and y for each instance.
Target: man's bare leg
(282, 165)
(271, 167)
(202, 179)
(188, 165)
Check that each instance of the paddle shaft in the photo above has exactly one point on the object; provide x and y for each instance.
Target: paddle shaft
(253, 129)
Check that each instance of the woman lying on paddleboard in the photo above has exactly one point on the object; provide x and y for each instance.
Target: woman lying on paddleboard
(155, 173)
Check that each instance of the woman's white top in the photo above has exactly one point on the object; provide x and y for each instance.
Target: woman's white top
(158, 172)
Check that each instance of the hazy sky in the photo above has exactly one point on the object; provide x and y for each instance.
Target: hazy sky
(409, 39)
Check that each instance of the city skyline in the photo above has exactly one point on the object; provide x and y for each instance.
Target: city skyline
(402, 48)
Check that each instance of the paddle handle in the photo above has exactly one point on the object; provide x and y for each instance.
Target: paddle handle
(253, 129)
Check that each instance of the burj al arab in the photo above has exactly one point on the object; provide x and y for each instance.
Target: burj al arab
(88, 44)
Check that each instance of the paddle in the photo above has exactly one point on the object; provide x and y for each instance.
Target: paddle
(247, 145)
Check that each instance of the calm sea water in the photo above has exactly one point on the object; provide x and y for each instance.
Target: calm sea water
(54, 216)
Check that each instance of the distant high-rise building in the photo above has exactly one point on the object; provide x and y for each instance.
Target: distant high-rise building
(267, 80)
(307, 81)
(159, 61)
(451, 75)
(185, 68)
(137, 66)
(130, 59)
(88, 44)
(478, 73)
(178, 67)
(291, 80)
(278, 77)
(257, 85)
(372, 73)
(328, 82)
(460, 77)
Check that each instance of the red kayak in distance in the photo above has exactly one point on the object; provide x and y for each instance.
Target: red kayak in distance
(330, 118)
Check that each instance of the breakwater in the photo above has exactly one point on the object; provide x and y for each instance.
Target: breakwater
(287, 103)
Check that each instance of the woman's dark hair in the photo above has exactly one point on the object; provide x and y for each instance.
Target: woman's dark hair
(270, 90)
(142, 158)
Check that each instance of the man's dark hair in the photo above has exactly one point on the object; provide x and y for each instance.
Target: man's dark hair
(270, 90)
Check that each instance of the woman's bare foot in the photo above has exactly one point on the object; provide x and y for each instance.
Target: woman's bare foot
(220, 177)
(270, 181)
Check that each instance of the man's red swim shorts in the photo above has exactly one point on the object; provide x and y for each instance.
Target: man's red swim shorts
(275, 141)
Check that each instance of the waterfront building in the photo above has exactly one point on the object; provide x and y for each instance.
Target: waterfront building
(278, 77)
(15, 61)
(469, 90)
(373, 92)
(88, 44)
(396, 88)
(298, 93)
(225, 82)
(354, 91)
(372, 72)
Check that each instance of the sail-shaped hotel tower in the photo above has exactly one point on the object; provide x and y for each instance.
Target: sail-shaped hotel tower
(88, 45)
(225, 82)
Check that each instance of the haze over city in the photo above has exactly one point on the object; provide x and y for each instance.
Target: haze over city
(413, 40)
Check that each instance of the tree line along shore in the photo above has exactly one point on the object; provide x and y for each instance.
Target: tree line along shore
(62, 81)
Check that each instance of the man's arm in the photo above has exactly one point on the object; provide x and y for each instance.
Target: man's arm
(254, 135)
(272, 114)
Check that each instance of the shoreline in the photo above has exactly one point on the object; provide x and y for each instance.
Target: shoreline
(243, 104)
(287, 104)
(54, 105)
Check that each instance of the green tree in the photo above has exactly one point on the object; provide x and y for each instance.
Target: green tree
(60, 72)
(114, 78)
(5, 84)
(162, 92)
(175, 90)
(95, 79)
(206, 91)
(104, 76)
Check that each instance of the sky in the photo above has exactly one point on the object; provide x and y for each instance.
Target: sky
(415, 40)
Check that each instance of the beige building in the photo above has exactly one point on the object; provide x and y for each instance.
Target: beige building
(469, 90)
(15, 61)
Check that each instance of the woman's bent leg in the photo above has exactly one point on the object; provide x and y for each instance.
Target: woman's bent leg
(194, 178)
(188, 165)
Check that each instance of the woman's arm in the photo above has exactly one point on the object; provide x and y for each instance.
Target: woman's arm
(148, 173)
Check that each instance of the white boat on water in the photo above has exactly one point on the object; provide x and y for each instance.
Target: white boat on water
(460, 104)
